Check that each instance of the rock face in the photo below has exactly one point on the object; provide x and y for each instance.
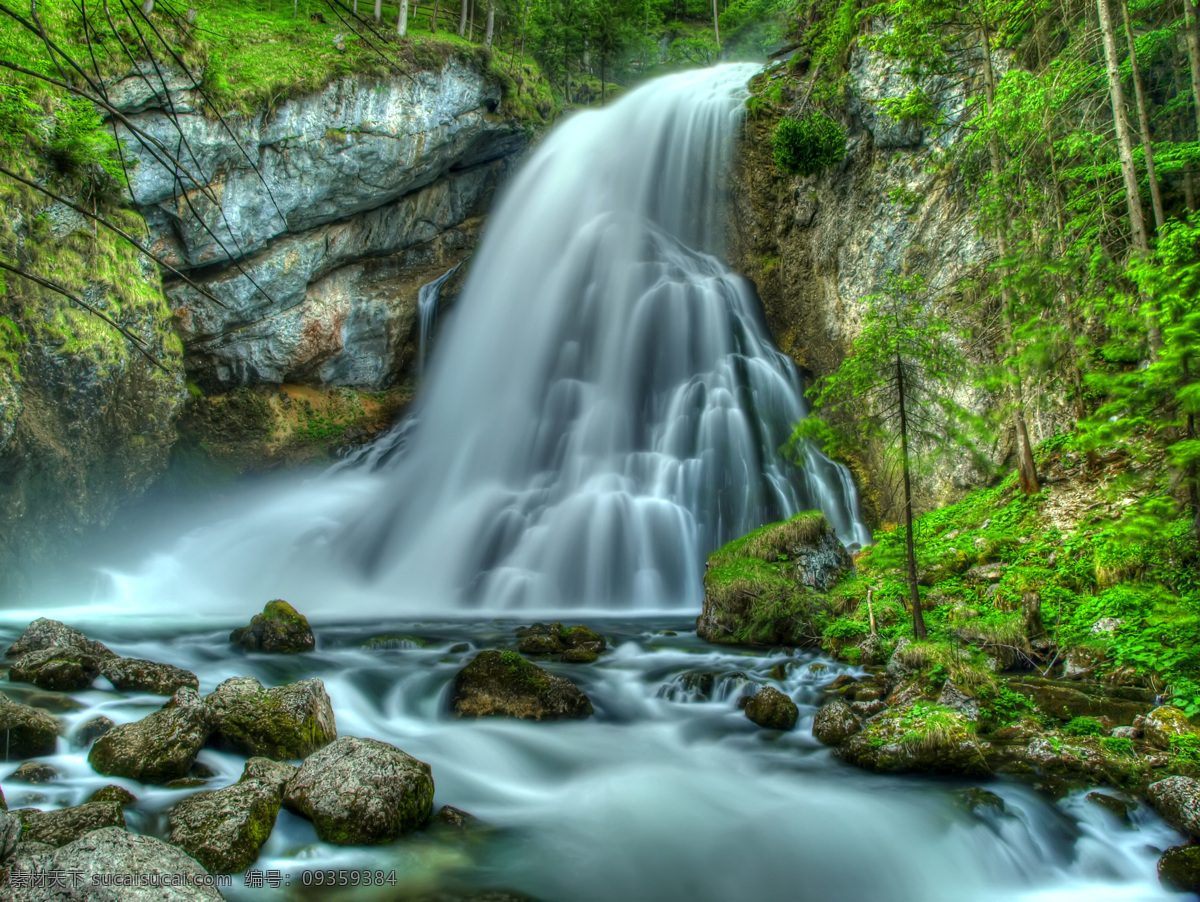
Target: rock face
(279, 628)
(772, 709)
(283, 722)
(29, 732)
(505, 684)
(10, 835)
(158, 748)
(57, 828)
(361, 792)
(1177, 799)
(115, 851)
(225, 829)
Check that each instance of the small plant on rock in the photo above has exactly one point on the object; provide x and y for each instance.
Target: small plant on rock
(809, 144)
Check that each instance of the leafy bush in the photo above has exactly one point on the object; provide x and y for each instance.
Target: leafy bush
(808, 145)
(1117, 745)
(1083, 726)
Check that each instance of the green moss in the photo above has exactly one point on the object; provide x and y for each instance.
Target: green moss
(1083, 726)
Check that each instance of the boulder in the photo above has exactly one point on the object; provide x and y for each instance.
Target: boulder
(1118, 808)
(113, 793)
(773, 710)
(1163, 724)
(91, 730)
(957, 700)
(505, 684)
(279, 628)
(361, 792)
(575, 644)
(835, 723)
(138, 675)
(113, 850)
(1177, 799)
(10, 835)
(158, 748)
(35, 772)
(224, 829)
(264, 770)
(283, 722)
(455, 819)
(44, 633)
(56, 668)
(1179, 869)
(919, 738)
(1068, 700)
(57, 828)
(28, 732)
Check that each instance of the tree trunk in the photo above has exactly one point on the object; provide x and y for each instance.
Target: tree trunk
(471, 23)
(433, 18)
(356, 7)
(1139, 95)
(378, 10)
(491, 23)
(716, 26)
(914, 594)
(462, 20)
(147, 7)
(402, 19)
(1193, 42)
(1116, 94)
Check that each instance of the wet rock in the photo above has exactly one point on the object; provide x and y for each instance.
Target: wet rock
(283, 722)
(185, 783)
(28, 732)
(773, 710)
(56, 668)
(1067, 701)
(978, 800)
(10, 835)
(1125, 733)
(272, 773)
(1119, 808)
(224, 829)
(580, 656)
(1179, 869)
(34, 772)
(361, 792)
(113, 793)
(920, 738)
(505, 684)
(455, 819)
(157, 748)
(44, 633)
(835, 723)
(868, 709)
(956, 700)
(1163, 724)
(1177, 799)
(113, 850)
(279, 628)
(91, 730)
(57, 828)
(138, 675)
(577, 644)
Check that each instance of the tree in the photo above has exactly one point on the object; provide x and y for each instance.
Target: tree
(1116, 93)
(491, 23)
(402, 19)
(896, 386)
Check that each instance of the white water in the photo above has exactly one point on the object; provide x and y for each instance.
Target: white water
(603, 409)
(428, 298)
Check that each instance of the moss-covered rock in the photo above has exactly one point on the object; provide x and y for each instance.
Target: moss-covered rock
(139, 675)
(113, 793)
(771, 709)
(35, 772)
(919, 738)
(835, 723)
(57, 828)
(1068, 700)
(158, 748)
(1179, 869)
(224, 829)
(573, 644)
(57, 669)
(361, 792)
(46, 633)
(504, 684)
(1163, 724)
(765, 588)
(282, 722)
(29, 732)
(279, 628)
(1177, 799)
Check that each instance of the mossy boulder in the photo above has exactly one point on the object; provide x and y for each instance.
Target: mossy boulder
(1066, 701)
(139, 675)
(361, 792)
(283, 722)
(835, 723)
(502, 683)
(1163, 724)
(45, 633)
(771, 709)
(919, 738)
(224, 829)
(279, 628)
(91, 730)
(1179, 869)
(60, 669)
(29, 732)
(1177, 799)
(265, 770)
(57, 828)
(113, 793)
(765, 588)
(158, 748)
(573, 644)
(35, 772)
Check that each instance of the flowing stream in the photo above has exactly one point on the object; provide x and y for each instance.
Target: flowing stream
(603, 407)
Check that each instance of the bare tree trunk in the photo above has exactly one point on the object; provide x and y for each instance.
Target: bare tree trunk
(462, 20)
(147, 7)
(1139, 94)
(491, 23)
(378, 10)
(356, 7)
(402, 19)
(433, 18)
(1193, 42)
(471, 23)
(1116, 93)
(914, 594)
(716, 26)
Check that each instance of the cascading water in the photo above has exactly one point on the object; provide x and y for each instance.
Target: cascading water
(604, 408)
(428, 298)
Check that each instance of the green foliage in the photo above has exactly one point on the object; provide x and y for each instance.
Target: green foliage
(1083, 726)
(1185, 749)
(1117, 745)
(808, 145)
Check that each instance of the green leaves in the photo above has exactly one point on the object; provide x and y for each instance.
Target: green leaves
(808, 145)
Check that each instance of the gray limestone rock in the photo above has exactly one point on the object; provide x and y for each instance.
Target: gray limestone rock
(57, 828)
(224, 829)
(1177, 799)
(28, 732)
(283, 722)
(138, 675)
(158, 748)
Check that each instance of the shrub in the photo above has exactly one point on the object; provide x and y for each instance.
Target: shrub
(1083, 726)
(806, 146)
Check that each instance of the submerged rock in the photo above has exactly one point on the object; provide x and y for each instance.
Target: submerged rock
(1177, 799)
(283, 722)
(279, 628)
(57, 828)
(455, 819)
(56, 668)
(1179, 869)
(44, 633)
(113, 793)
(224, 829)
(361, 792)
(1119, 808)
(574, 644)
(28, 732)
(158, 748)
(835, 723)
(505, 684)
(772, 709)
(91, 730)
(35, 772)
(139, 675)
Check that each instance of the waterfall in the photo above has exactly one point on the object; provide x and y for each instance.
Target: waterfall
(427, 307)
(605, 405)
